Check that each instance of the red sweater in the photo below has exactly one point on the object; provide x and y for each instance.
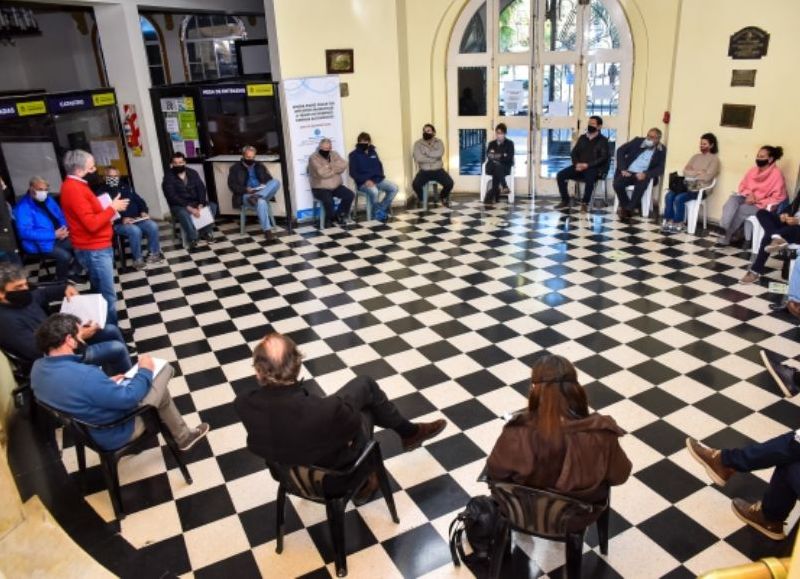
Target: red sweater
(89, 224)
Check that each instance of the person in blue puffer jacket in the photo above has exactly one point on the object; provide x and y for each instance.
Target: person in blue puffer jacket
(42, 229)
(366, 170)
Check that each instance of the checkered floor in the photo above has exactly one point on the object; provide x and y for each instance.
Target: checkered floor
(447, 310)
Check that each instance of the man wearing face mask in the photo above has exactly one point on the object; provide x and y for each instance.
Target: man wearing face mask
(638, 162)
(186, 195)
(251, 183)
(90, 226)
(499, 162)
(589, 159)
(428, 153)
(134, 222)
(43, 230)
(325, 169)
(366, 170)
(23, 309)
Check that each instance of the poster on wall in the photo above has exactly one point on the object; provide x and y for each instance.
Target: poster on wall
(181, 124)
(314, 108)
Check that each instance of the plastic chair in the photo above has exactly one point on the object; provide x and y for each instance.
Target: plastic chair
(243, 215)
(485, 179)
(647, 199)
(548, 515)
(693, 208)
(756, 232)
(109, 459)
(308, 482)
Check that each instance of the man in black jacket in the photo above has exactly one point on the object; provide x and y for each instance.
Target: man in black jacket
(589, 159)
(186, 196)
(499, 163)
(251, 183)
(289, 425)
(639, 162)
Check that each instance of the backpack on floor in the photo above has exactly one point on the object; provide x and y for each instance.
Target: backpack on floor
(478, 522)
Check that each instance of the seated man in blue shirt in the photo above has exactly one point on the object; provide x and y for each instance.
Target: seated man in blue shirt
(42, 229)
(63, 382)
(366, 170)
(638, 162)
(23, 309)
(251, 183)
(134, 221)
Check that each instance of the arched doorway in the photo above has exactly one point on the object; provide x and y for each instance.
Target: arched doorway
(541, 67)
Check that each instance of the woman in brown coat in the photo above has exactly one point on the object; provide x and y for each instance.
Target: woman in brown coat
(557, 444)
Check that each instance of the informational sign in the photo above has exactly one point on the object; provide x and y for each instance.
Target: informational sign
(223, 91)
(314, 108)
(260, 90)
(180, 123)
(514, 97)
(30, 108)
(103, 99)
(750, 43)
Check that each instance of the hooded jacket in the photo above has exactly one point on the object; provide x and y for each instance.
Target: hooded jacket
(592, 457)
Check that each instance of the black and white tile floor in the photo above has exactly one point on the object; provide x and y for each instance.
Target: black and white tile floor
(447, 310)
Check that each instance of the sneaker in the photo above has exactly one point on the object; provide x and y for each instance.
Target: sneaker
(425, 430)
(785, 377)
(208, 238)
(711, 459)
(194, 436)
(750, 277)
(777, 244)
(194, 246)
(666, 227)
(269, 237)
(139, 265)
(562, 206)
(155, 258)
(445, 201)
(752, 514)
(722, 242)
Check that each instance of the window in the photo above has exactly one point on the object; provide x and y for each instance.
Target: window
(209, 45)
(154, 47)
(474, 39)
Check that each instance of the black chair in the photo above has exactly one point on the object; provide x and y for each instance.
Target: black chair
(548, 515)
(309, 482)
(81, 435)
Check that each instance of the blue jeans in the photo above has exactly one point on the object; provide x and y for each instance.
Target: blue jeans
(675, 205)
(782, 452)
(107, 349)
(388, 188)
(264, 196)
(134, 232)
(794, 284)
(187, 225)
(99, 264)
(64, 255)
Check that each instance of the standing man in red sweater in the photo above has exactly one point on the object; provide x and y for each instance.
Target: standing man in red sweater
(90, 226)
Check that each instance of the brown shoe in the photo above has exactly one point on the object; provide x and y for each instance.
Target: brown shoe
(367, 490)
(584, 208)
(269, 237)
(711, 459)
(749, 277)
(794, 308)
(425, 430)
(751, 514)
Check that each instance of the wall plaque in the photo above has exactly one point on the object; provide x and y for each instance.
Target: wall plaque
(738, 116)
(743, 77)
(748, 44)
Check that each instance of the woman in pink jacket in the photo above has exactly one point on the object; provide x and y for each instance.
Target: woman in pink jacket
(762, 187)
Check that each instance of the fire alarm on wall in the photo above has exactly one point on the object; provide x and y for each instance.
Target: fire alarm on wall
(666, 117)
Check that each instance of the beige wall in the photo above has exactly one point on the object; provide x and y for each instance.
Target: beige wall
(702, 84)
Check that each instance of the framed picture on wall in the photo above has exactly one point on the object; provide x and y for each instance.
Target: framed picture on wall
(339, 61)
(738, 116)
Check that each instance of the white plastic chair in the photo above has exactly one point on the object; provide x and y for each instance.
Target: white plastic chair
(756, 231)
(693, 208)
(485, 183)
(647, 199)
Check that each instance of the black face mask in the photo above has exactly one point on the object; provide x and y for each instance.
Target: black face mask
(591, 130)
(325, 154)
(80, 349)
(20, 298)
(762, 162)
(363, 146)
(249, 162)
(178, 169)
(427, 136)
(94, 180)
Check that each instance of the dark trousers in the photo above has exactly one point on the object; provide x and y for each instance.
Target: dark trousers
(440, 176)
(772, 225)
(325, 196)
(588, 176)
(497, 171)
(782, 452)
(65, 259)
(639, 188)
(362, 393)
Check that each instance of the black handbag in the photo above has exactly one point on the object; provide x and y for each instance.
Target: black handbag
(677, 183)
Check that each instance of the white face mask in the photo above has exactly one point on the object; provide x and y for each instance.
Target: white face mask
(40, 196)
(649, 143)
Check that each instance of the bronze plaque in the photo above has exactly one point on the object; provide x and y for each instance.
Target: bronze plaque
(738, 116)
(743, 77)
(749, 43)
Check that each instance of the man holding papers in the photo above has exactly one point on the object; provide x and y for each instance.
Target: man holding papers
(188, 200)
(62, 381)
(251, 183)
(23, 309)
(90, 226)
(135, 220)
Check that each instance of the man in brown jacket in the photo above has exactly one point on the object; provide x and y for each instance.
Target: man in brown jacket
(325, 168)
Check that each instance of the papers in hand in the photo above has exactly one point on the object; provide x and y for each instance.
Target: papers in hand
(259, 187)
(87, 307)
(138, 219)
(105, 201)
(158, 364)
(205, 219)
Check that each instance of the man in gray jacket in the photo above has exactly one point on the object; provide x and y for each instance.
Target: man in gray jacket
(325, 169)
(428, 153)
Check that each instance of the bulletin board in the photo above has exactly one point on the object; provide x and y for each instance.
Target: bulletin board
(180, 122)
